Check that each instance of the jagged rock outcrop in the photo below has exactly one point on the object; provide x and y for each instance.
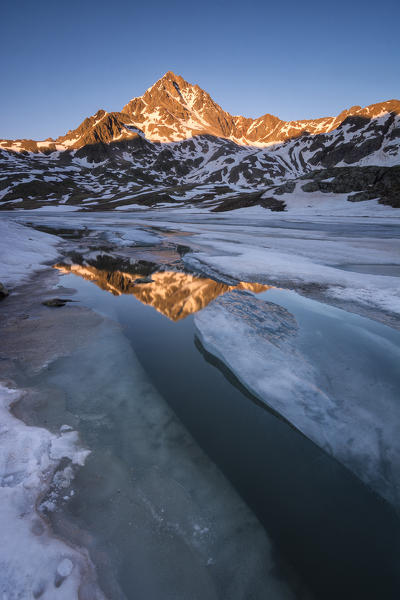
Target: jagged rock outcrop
(362, 183)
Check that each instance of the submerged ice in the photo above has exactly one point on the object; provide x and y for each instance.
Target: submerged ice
(164, 521)
(333, 386)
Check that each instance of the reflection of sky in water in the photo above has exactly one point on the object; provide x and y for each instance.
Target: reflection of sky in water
(172, 293)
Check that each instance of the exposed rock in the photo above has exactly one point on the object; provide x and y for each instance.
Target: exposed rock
(287, 188)
(184, 110)
(3, 291)
(369, 182)
(143, 280)
(273, 204)
(118, 159)
(178, 103)
(182, 249)
(57, 302)
(250, 199)
(239, 201)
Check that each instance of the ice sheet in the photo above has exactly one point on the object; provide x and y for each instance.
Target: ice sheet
(148, 491)
(23, 250)
(351, 413)
(254, 245)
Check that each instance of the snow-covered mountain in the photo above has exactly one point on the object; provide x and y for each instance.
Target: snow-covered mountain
(174, 144)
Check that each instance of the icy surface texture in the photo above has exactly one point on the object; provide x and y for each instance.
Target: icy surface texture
(23, 250)
(34, 563)
(313, 255)
(354, 418)
(164, 522)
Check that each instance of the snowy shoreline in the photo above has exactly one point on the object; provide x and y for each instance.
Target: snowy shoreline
(34, 562)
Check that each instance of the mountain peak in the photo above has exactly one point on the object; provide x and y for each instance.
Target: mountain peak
(167, 79)
(173, 109)
(171, 76)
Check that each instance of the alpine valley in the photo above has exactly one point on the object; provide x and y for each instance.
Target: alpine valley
(200, 349)
(174, 146)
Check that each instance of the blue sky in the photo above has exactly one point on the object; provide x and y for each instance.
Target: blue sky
(63, 60)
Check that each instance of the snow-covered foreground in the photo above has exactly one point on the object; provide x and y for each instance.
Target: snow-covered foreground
(23, 251)
(33, 563)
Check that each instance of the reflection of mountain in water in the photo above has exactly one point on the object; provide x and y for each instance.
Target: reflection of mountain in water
(174, 294)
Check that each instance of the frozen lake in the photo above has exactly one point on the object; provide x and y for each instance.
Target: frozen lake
(242, 434)
(330, 526)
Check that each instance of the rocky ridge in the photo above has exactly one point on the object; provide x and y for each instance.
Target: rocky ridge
(175, 145)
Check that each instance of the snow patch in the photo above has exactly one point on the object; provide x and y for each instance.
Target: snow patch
(33, 563)
(23, 250)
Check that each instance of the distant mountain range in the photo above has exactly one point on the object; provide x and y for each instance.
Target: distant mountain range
(176, 145)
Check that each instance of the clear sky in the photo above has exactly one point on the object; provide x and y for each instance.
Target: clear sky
(62, 60)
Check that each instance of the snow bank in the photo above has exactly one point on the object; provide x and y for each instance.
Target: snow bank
(23, 250)
(355, 420)
(33, 564)
(311, 204)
